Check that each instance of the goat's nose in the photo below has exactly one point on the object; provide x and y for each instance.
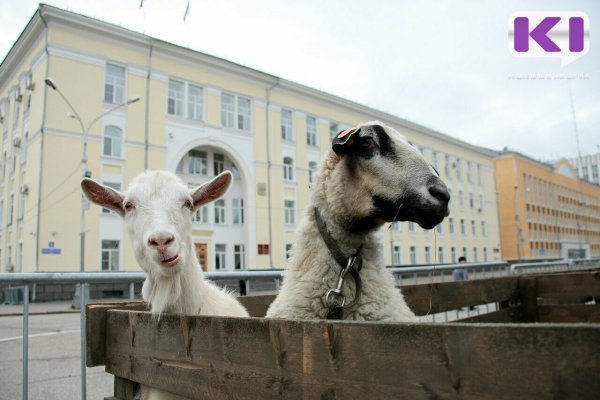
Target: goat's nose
(439, 191)
(161, 240)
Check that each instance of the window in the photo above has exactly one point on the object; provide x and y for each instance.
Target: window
(113, 185)
(110, 255)
(438, 228)
(396, 259)
(21, 206)
(20, 257)
(1, 214)
(463, 228)
(114, 84)
(4, 157)
(479, 174)
(473, 229)
(427, 255)
(461, 202)
(238, 211)
(220, 253)
(289, 207)
(458, 170)
(469, 171)
(464, 252)
(333, 129)
(312, 171)
(227, 110)
(220, 211)
(288, 168)
(9, 266)
(218, 163)
(175, 98)
(201, 215)
(447, 165)
(411, 226)
(475, 255)
(11, 208)
(239, 256)
(453, 254)
(483, 233)
(288, 250)
(197, 163)
(595, 174)
(471, 200)
(440, 259)
(413, 255)
(451, 225)
(195, 102)
(17, 111)
(480, 202)
(235, 172)
(24, 146)
(287, 125)
(244, 116)
(230, 109)
(311, 131)
(485, 254)
(112, 141)
(434, 161)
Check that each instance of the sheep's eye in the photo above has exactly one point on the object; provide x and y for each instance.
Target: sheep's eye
(187, 204)
(129, 206)
(367, 143)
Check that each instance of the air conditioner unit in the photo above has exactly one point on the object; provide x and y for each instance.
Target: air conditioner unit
(29, 85)
(17, 142)
(18, 95)
(24, 189)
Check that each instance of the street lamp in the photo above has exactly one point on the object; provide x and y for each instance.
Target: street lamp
(84, 173)
(82, 297)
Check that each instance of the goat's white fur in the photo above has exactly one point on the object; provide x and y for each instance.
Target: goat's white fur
(157, 205)
(340, 194)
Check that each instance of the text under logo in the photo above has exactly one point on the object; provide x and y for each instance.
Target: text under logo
(551, 34)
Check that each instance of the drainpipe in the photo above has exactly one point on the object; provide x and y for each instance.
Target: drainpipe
(269, 165)
(41, 169)
(147, 105)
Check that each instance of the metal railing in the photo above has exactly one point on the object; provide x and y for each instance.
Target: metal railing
(403, 276)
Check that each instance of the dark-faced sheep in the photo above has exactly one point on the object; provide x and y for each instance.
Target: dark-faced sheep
(371, 176)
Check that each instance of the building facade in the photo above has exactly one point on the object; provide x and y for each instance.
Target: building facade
(545, 210)
(587, 167)
(197, 115)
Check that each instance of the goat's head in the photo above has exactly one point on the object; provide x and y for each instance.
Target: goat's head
(157, 208)
(385, 179)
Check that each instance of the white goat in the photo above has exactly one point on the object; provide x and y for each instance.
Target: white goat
(157, 209)
(371, 176)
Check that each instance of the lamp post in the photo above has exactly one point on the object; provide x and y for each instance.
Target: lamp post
(84, 173)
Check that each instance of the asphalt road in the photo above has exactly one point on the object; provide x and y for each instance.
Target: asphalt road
(54, 354)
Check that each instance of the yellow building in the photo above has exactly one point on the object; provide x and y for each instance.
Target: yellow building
(196, 116)
(545, 211)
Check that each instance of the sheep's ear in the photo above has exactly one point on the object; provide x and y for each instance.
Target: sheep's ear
(211, 190)
(103, 196)
(344, 140)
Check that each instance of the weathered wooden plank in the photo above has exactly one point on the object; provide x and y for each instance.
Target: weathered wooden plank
(569, 285)
(238, 358)
(510, 314)
(453, 295)
(569, 313)
(123, 389)
(95, 328)
(257, 306)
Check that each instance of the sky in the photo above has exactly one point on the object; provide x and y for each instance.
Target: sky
(443, 65)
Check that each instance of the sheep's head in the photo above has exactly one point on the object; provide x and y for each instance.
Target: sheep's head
(157, 209)
(384, 179)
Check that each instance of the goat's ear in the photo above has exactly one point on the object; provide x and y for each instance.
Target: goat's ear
(344, 140)
(211, 190)
(103, 196)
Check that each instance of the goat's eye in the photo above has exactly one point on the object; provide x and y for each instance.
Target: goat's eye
(187, 204)
(129, 206)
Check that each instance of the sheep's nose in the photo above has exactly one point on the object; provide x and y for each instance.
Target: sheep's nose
(161, 240)
(439, 191)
